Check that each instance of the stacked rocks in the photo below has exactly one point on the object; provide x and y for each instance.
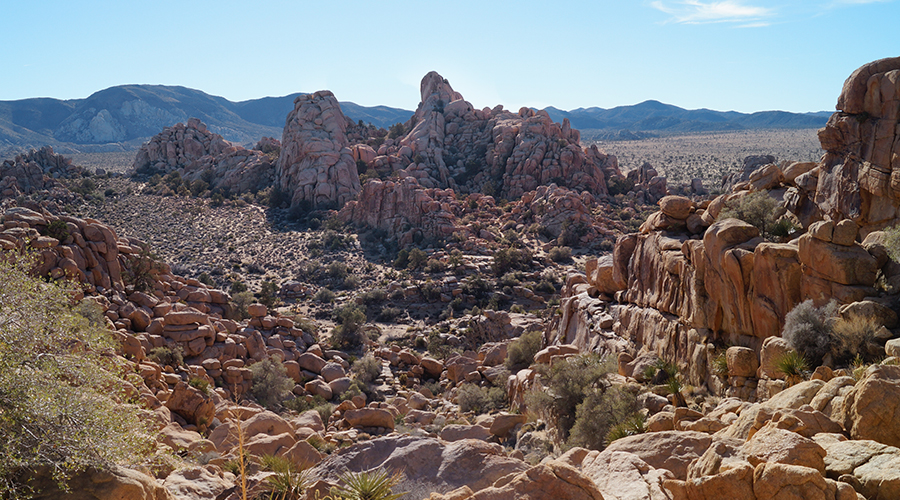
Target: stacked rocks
(34, 171)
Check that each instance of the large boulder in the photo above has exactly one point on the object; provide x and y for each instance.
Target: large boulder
(671, 450)
(872, 407)
(114, 483)
(469, 462)
(316, 167)
(191, 404)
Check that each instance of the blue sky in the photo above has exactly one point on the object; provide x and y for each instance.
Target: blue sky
(743, 55)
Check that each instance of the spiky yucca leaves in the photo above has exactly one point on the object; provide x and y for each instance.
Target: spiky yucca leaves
(288, 482)
(368, 485)
(793, 365)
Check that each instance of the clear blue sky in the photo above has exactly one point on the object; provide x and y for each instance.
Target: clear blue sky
(743, 55)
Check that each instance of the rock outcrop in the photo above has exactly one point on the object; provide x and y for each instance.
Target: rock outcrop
(34, 171)
(197, 153)
(316, 165)
(858, 178)
(450, 144)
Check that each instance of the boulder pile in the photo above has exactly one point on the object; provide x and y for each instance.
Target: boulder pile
(35, 171)
(450, 144)
(197, 153)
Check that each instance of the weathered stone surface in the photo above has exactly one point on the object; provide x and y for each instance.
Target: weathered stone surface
(742, 361)
(772, 444)
(876, 466)
(467, 462)
(114, 483)
(624, 476)
(369, 417)
(456, 432)
(199, 154)
(316, 166)
(196, 482)
(548, 481)
(672, 450)
(872, 407)
(194, 406)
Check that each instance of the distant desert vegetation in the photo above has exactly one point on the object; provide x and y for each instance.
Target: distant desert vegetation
(710, 156)
(681, 158)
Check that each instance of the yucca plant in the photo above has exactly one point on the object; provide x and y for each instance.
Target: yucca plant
(633, 425)
(288, 482)
(368, 485)
(720, 365)
(793, 365)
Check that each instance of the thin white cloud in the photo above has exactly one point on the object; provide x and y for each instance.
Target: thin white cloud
(859, 2)
(726, 11)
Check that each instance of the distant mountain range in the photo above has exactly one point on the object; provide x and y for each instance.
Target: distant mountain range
(121, 118)
(656, 118)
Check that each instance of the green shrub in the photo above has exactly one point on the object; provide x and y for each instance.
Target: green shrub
(350, 317)
(58, 229)
(416, 259)
(520, 352)
(167, 356)
(560, 254)
(598, 414)
(287, 482)
(323, 295)
(271, 385)
(388, 314)
(793, 365)
(480, 399)
(206, 279)
(60, 397)
(201, 384)
(241, 301)
(268, 293)
(568, 384)
(141, 270)
(635, 424)
(317, 403)
(237, 286)
(373, 296)
(366, 369)
(510, 259)
(757, 209)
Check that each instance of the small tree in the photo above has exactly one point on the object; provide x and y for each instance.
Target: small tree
(757, 209)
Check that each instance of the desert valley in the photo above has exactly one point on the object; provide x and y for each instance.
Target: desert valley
(449, 304)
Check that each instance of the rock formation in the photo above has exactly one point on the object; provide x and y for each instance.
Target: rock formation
(35, 171)
(316, 166)
(405, 209)
(858, 178)
(196, 153)
(691, 280)
(450, 144)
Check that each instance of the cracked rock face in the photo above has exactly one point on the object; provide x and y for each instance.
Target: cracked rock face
(859, 176)
(316, 165)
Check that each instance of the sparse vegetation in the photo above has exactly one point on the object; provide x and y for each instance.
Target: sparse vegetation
(59, 406)
(478, 399)
(520, 352)
(271, 385)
